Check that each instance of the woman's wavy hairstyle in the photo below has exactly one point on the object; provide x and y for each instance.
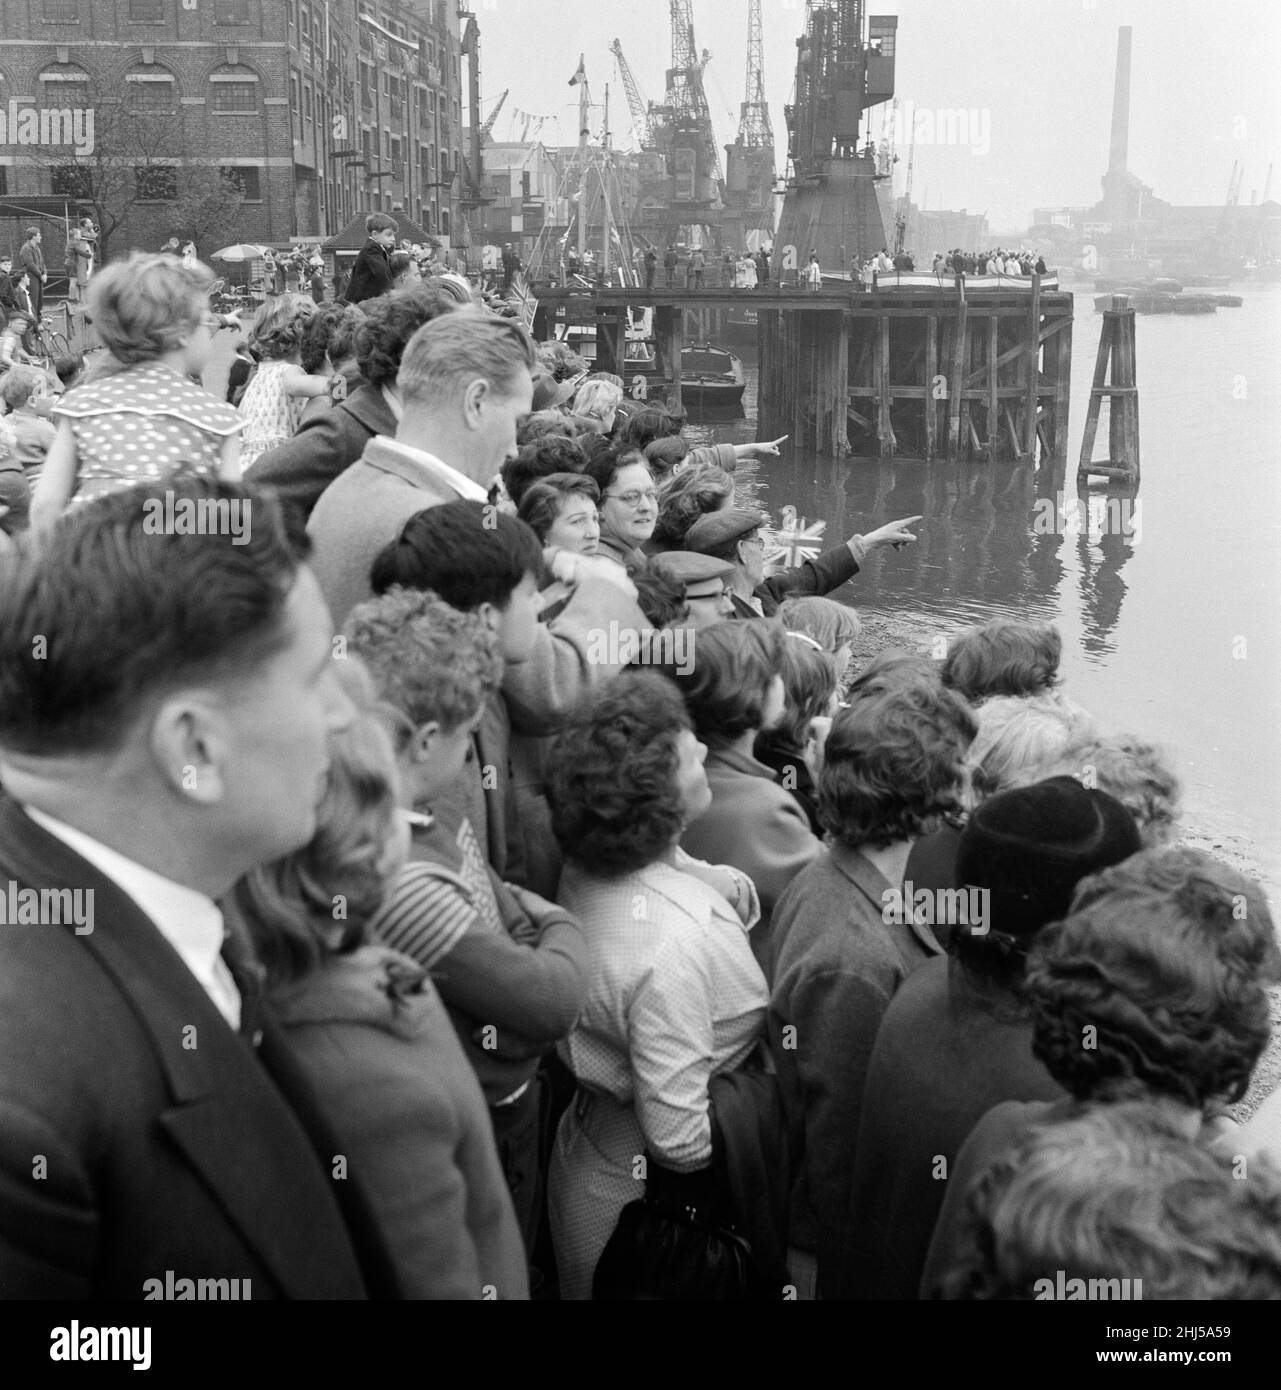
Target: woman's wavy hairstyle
(728, 682)
(1118, 1192)
(318, 900)
(893, 764)
(332, 334)
(280, 325)
(687, 495)
(1019, 740)
(612, 783)
(650, 423)
(1139, 774)
(146, 306)
(1003, 657)
(543, 501)
(1155, 984)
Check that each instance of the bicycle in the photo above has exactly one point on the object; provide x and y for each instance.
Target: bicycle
(47, 343)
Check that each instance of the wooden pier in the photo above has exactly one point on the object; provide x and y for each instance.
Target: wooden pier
(921, 372)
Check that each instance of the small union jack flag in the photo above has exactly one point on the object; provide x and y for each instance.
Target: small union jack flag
(795, 544)
(523, 299)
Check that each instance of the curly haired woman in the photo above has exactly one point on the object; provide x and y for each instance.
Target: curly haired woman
(674, 996)
(1153, 989)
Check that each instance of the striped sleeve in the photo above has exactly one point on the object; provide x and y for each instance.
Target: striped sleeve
(426, 915)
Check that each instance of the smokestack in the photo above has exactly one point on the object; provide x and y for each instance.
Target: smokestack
(1119, 153)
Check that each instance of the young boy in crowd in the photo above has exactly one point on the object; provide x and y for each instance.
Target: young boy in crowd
(510, 965)
(21, 395)
(483, 561)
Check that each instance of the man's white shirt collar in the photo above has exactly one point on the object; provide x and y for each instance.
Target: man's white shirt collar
(189, 921)
(459, 482)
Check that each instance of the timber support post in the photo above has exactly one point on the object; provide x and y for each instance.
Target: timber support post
(1117, 349)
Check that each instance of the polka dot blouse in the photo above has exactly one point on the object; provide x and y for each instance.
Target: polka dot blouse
(142, 424)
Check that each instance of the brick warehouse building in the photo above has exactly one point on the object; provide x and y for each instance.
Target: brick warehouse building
(320, 110)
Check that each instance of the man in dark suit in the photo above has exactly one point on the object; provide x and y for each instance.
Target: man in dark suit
(166, 703)
(734, 535)
(371, 273)
(31, 259)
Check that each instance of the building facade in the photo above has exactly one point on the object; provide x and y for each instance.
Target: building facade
(318, 109)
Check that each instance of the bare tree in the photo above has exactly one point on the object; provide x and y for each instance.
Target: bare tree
(207, 208)
(134, 160)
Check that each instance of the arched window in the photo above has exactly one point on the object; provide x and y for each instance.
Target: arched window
(151, 88)
(233, 91)
(64, 84)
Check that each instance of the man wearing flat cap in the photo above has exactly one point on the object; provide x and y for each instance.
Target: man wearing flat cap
(734, 535)
(704, 579)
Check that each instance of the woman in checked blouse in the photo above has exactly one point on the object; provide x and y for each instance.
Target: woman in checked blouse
(674, 993)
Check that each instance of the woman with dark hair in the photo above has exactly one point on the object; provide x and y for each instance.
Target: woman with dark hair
(694, 491)
(561, 510)
(628, 504)
(956, 1038)
(893, 765)
(1154, 988)
(329, 346)
(1004, 657)
(675, 996)
(372, 1037)
(734, 691)
(665, 456)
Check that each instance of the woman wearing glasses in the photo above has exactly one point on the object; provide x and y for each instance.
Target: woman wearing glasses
(628, 504)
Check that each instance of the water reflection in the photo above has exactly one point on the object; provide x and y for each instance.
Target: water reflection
(993, 538)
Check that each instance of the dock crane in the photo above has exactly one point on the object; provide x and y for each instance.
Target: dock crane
(691, 115)
(493, 116)
(474, 184)
(636, 102)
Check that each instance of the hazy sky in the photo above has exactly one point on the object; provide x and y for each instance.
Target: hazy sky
(1034, 78)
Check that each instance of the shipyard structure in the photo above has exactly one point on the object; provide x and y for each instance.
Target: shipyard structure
(1131, 232)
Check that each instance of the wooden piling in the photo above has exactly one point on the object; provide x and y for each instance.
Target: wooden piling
(927, 383)
(1116, 350)
(1033, 369)
(956, 385)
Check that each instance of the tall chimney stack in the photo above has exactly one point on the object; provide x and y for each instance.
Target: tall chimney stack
(1119, 153)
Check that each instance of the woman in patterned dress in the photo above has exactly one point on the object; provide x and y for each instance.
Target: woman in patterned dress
(145, 418)
(675, 995)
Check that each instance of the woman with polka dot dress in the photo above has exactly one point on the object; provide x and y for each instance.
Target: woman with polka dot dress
(144, 418)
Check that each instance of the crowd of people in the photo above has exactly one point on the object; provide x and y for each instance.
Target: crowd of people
(463, 861)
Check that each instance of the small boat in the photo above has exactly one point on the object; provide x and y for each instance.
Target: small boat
(712, 377)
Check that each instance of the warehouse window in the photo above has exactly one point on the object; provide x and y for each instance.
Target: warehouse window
(151, 90)
(248, 176)
(146, 11)
(233, 91)
(62, 11)
(231, 11)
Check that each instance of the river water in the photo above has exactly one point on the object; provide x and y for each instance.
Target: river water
(1169, 606)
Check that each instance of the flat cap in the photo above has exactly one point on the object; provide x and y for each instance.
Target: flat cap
(685, 567)
(722, 528)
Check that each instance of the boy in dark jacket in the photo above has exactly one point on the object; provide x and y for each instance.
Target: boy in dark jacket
(371, 274)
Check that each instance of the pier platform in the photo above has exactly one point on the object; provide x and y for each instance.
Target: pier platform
(927, 370)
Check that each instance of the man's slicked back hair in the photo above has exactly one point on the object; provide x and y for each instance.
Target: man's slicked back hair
(447, 353)
(114, 608)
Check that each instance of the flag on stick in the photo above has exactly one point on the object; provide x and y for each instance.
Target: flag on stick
(580, 75)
